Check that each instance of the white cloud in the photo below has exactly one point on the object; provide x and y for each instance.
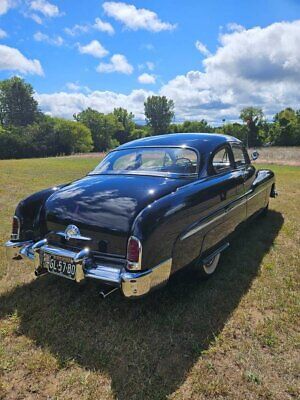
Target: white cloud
(98, 25)
(258, 66)
(45, 8)
(77, 29)
(147, 65)
(3, 34)
(118, 63)
(5, 5)
(42, 37)
(94, 48)
(36, 18)
(66, 104)
(103, 26)
(75, 87)
(13, 60)
(233, 26)
(146, 79)
(136, 18)
(202, 48)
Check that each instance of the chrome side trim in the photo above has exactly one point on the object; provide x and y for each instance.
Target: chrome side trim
(244, 201)
(255, 194)
(227, 209)
(202, 225)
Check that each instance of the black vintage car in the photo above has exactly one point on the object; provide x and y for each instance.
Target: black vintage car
(150, 208)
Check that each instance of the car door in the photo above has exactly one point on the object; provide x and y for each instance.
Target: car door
(236, 210)
(228, 182)
(255, 196)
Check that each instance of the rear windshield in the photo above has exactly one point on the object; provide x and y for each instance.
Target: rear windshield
(167, 161)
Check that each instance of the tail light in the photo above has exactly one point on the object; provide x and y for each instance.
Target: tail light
(134, 254)
(15, 233)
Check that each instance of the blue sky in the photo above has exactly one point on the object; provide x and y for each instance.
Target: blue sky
(212, 57)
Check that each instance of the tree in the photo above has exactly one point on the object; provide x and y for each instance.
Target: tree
(125, 119)
(71, 137)
(254, 118)
(103, 128)
(49, 137)
(237, 130)
(159, 112)
(17, 104)
(285, 131)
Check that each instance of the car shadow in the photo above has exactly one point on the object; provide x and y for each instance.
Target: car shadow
(146, 346)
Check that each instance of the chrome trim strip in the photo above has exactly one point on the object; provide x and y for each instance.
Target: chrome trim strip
(255, 194)
(198, 228)
(227, 209)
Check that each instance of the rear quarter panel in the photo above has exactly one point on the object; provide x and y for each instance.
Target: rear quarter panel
(162, 224)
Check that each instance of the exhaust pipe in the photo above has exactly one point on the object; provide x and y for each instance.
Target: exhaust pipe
(105, 293)
(40, 271)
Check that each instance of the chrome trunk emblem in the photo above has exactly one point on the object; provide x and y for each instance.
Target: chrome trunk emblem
(73, 232)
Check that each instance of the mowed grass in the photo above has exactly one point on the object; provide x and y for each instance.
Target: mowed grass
(235, 336)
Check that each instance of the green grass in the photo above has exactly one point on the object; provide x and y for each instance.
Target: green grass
(235, 336)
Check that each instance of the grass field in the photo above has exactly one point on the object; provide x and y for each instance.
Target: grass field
(235, 336)
(279, 155)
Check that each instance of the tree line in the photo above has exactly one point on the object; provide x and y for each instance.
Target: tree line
(27, 132)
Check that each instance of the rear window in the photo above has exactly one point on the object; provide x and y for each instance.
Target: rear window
(168, 161)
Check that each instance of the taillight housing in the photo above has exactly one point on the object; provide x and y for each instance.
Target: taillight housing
(15, 233)
(134, 254)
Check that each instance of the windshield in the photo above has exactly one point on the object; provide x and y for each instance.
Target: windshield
(163, 161)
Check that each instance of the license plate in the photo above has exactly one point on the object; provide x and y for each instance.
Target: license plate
(62, 266)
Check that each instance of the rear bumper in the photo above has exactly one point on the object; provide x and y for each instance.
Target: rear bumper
(131, 284)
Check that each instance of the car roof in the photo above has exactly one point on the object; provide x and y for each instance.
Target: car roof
(203, 142)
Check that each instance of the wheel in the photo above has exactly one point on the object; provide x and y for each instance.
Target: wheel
(206, 270)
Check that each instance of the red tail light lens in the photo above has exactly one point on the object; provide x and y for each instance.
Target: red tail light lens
(15, 233)
(134, 253)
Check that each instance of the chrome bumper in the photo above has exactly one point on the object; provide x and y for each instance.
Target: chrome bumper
(132, 284)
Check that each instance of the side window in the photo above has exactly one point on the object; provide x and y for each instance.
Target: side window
(221, 161)
(239, 155)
